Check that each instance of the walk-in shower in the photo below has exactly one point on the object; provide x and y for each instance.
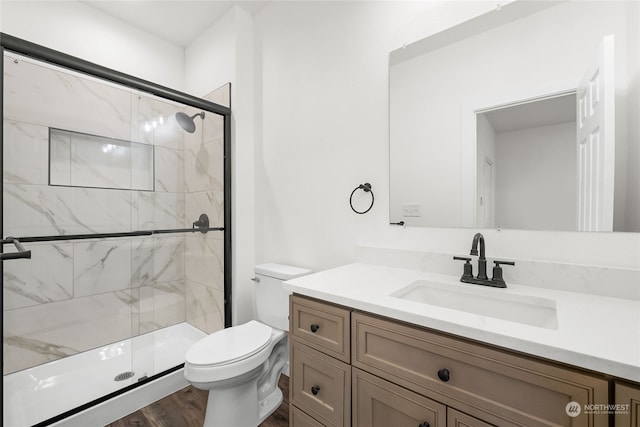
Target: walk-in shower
(116, 229)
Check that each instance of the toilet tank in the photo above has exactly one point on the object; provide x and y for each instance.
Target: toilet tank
(272, 300)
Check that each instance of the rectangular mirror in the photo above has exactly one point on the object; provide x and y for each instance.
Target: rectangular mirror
(523, 118)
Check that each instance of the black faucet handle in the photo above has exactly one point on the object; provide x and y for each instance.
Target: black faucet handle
(468, 268)
(497, 273)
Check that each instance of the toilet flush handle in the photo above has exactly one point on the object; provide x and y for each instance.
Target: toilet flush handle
(256, 279)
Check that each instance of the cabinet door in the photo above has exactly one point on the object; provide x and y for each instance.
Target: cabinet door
(629, 414)
(320, 385)
(297, 418)
(459, 419)
(379, 403)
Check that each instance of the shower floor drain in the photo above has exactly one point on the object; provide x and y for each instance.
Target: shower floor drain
(124, 376)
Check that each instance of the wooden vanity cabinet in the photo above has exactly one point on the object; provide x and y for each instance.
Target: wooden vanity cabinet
(373, 371)
(320, 356)
(627, 394)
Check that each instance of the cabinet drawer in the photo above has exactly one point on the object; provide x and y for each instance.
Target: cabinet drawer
(322, 326)
(321, 385)
(297, 418)
(494, 385)
(627, 416)
(378, 403)
(458, 419)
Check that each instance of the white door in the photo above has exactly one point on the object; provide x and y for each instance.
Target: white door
(596, 142)
(486, 202)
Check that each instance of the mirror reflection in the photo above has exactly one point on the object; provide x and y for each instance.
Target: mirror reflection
(523, 118)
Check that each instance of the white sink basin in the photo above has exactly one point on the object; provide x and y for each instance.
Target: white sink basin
(485, 301)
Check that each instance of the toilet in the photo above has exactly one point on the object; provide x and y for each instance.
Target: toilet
(240, 366)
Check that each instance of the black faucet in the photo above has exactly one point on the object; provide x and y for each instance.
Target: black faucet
(467, 277)
(482, 261)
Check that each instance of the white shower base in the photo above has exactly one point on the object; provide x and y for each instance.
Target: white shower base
(42, 392)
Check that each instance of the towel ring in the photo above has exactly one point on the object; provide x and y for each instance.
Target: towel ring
(367, 189)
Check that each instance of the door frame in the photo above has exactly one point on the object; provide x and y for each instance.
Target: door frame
(468, 135)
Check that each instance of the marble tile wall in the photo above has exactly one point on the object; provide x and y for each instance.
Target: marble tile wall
(204, 193)
(76, 295)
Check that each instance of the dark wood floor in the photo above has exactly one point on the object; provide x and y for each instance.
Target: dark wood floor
(186, 407)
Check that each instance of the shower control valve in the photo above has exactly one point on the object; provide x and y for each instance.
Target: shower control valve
(202, 223)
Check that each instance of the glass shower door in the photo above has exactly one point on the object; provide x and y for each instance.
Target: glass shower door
(103, 186)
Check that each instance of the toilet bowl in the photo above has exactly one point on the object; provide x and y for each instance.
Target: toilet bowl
(240, 366)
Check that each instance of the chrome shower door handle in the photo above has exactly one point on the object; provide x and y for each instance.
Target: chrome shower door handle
(22, 252)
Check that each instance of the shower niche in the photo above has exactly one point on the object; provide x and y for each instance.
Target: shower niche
(103, 184)
(83, 160)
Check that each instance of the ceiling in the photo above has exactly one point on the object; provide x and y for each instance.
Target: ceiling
(545, 112)
(176, 21)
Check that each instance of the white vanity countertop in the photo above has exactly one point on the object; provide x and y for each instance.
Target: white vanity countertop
(594, 332)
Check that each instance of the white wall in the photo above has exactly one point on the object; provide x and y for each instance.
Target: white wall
(323, 94)
(210, 60)
(536, 178)
(322, 88)
(80, 30)
(426, 157)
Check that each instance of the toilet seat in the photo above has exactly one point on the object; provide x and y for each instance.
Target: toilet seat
(230, 345)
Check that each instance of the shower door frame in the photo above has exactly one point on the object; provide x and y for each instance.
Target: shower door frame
(58, 58)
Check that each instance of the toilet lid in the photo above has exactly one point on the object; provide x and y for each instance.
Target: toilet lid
(230, 345)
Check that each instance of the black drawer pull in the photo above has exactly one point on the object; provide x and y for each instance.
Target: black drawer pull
(315, 327)
(315, 389)
(443, 374)
(424, 424)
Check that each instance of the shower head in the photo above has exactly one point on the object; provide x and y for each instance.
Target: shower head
(187, 122)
